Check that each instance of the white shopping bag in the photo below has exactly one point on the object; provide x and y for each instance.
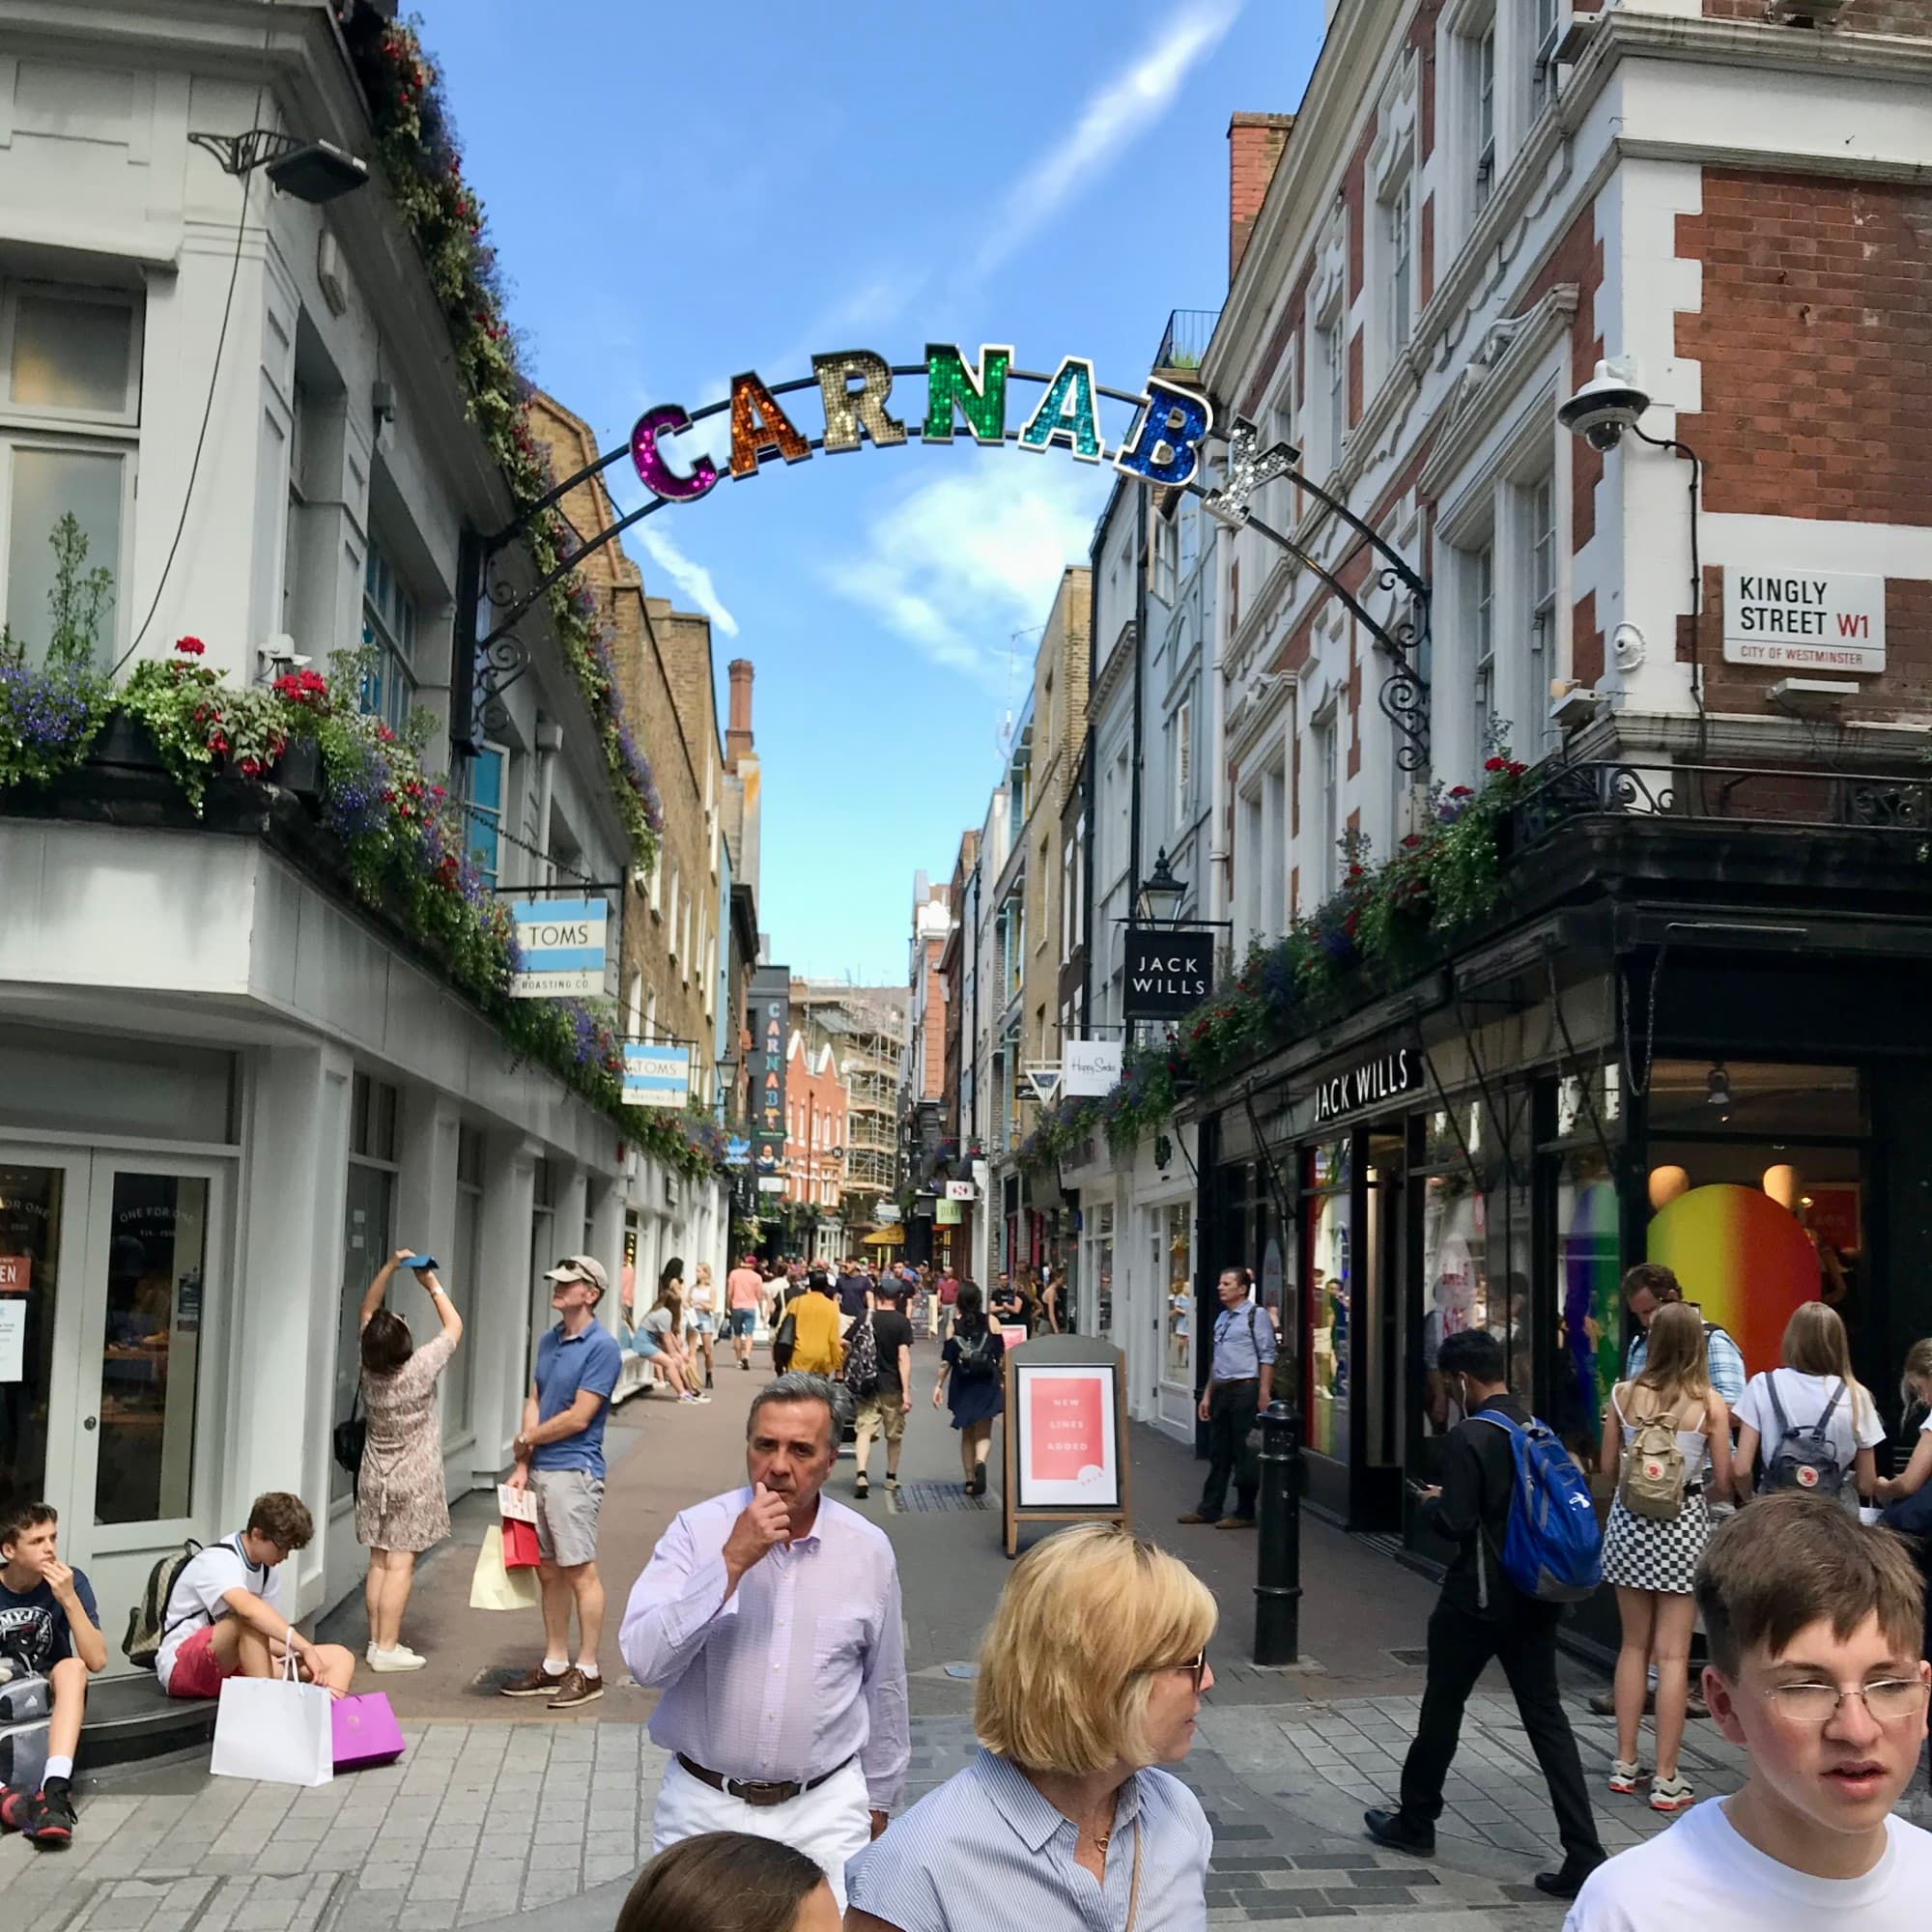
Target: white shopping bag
(275, 1729)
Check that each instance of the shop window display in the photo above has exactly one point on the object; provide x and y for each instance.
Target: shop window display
(1330, 1290)
(1174, 1263)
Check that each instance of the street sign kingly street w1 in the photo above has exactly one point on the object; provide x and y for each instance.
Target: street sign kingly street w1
(1170, 971)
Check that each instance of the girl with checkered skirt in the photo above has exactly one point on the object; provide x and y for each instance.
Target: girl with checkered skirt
(1652, 1560)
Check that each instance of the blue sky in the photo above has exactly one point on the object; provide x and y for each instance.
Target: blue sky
(682, 192)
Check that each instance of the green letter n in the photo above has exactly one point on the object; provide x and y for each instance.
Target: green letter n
(980, 396)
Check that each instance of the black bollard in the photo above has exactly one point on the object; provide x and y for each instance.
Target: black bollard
(1278, 1572)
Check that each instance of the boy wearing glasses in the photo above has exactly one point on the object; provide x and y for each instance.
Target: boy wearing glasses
(1815, 1629)
(224, 1617)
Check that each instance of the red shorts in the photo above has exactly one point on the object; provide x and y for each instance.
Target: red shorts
(198, 1673)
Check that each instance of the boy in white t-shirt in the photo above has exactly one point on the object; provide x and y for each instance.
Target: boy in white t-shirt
(1814, 1627)
(224, 1618)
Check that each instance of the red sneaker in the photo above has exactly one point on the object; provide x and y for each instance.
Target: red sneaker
(12, 1809)
(49, 1821)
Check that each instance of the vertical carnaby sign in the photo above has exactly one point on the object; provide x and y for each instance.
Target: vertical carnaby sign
(1169, 971)
(771, 1029)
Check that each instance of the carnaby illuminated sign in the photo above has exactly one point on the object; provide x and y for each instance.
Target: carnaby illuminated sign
(1386, 1077)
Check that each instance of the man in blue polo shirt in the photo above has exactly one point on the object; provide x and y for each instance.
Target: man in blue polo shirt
(560, 1453)
(1240, 1384)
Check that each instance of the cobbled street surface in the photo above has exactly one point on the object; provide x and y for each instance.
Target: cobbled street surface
(500, 1816)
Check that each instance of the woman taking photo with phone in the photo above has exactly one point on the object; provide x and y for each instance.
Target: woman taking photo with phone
(402, 1506)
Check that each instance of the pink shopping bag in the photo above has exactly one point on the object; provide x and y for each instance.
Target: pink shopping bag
(365, 1731)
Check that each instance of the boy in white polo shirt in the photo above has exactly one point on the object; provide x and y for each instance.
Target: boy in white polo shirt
(1814, 1627)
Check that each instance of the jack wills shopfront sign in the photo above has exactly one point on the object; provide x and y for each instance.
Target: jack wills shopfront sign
(1170, 971)
(1387, 1076)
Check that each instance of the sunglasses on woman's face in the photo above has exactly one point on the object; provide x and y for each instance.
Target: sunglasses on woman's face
(1196, 1667)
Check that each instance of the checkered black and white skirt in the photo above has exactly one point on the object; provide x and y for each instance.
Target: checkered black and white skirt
(1640, 1553)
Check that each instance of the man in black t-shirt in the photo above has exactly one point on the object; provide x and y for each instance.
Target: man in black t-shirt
(49, 1623)
(883, 1412)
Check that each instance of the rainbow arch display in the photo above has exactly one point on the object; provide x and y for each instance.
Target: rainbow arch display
(1742, 1258)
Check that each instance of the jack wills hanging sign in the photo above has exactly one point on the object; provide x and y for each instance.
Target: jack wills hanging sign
(1169, 972)
(1386, 1076)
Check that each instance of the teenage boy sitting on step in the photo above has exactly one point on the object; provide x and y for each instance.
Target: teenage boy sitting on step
(1814, 1627)
(224, 1616)
(48, 1622)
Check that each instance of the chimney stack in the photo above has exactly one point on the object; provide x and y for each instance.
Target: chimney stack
(738, 731)
(1255, 146)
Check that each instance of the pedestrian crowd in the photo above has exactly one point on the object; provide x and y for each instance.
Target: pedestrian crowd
(769, 1617)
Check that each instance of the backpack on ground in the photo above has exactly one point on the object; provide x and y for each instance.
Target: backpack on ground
(1552, 1550)
(979, 1356)
(862, 1359)
(1804, 1459)
(26, 1703)
(1650, 1484)
(147, 1620)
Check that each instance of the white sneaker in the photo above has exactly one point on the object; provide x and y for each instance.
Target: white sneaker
(402, 1658)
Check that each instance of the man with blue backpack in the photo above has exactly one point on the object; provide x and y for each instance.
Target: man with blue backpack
(1519, 1511)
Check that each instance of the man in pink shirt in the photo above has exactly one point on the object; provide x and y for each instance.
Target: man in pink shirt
(744, 1297)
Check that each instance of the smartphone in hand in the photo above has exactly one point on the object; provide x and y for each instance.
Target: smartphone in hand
(421, 1263)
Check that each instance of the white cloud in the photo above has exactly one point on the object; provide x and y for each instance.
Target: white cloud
(958, 564)
(1122, 107)
(692, 578)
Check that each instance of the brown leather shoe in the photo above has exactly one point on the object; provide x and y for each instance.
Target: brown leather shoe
(1194, 1516)
(535, 1682)
(575, 1690)
(1236, 1523)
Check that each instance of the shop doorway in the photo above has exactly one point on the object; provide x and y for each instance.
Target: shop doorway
(111, 1271)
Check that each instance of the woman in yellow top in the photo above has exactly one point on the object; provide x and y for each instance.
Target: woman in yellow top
(818, 1349)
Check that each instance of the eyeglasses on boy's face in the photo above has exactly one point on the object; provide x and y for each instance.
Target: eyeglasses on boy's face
(1889, 1700)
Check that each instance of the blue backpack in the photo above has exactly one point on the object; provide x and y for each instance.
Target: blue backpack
(1552, 1550)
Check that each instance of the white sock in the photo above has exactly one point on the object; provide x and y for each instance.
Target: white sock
(58, 1767)
(589, 1670)
(556, 1667)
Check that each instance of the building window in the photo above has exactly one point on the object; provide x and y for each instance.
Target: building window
(68, 422)
(1329, 814)
(1483, 93)
(1333, 363)
(1539, 500)
(1483, 645)
(483, 810)
(389, 631)
(1543, 33)
(1397, 225)
(1180, 756)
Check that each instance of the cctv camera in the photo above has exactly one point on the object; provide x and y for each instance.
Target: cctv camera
(1603, 408)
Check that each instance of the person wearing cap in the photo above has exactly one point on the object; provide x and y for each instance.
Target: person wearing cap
(560, 1454)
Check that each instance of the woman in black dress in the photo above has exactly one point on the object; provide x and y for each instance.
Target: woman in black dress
(972, 1378)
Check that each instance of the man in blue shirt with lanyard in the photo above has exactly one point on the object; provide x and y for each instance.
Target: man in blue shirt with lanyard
(1240, 1384)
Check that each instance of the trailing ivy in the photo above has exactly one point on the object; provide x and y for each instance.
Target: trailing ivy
(1383, 924)
(421, 160)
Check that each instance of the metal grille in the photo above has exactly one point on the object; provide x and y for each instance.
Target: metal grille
(926, 1496)
(1411, 1660)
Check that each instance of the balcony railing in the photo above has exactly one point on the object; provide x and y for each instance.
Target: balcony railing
(1184, 345)
(1774, 797)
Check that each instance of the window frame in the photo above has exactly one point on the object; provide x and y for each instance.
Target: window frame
(1482, 610)
(1483, 113)
(488, 749)
(393, 655)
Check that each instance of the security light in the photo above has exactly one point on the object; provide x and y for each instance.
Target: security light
(1603, 409)
(312, 171)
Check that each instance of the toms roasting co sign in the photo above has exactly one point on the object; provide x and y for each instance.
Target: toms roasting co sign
(1170, 972)
(1385, 1077)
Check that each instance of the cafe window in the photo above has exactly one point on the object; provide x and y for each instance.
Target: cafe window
(1174, 1264)
(1331, 1291)
(1103, 1270)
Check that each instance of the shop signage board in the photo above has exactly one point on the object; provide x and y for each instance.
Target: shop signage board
(1044, 1080)
(564, 949)
(771, 1034)
(737, 1153)
(16, 1274)
(947, 1214)
(1170, 970)
(1382, 1076)
(656, 1074)
(1065, 1435)
(961, 1190)
(1090, 1068)
(13, 1341)
(771, 1183)
(1804, 619)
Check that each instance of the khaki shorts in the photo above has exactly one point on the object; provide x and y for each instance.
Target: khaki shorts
(881, 1414)
(567, 1504)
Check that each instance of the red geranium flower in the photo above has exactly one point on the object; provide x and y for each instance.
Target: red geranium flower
(191, 647)
(1496, 764)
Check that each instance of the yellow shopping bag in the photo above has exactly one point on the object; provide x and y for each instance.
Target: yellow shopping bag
(493, 1588)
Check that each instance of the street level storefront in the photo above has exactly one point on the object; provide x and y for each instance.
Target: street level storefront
(1717, 1065)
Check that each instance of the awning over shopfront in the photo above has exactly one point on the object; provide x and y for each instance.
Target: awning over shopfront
(885, 1238)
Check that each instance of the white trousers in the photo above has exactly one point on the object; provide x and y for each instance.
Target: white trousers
(830, 1824)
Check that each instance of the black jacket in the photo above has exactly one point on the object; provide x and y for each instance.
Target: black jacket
(1478, 1482)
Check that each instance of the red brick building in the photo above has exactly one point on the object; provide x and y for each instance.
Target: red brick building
(816, 1115)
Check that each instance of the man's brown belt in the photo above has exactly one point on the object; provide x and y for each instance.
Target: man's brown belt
(748, 1791)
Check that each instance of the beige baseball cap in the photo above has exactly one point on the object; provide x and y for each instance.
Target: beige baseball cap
(580, 1267)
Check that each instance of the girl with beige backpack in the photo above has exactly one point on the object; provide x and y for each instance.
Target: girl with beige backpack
(1666, 1438)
